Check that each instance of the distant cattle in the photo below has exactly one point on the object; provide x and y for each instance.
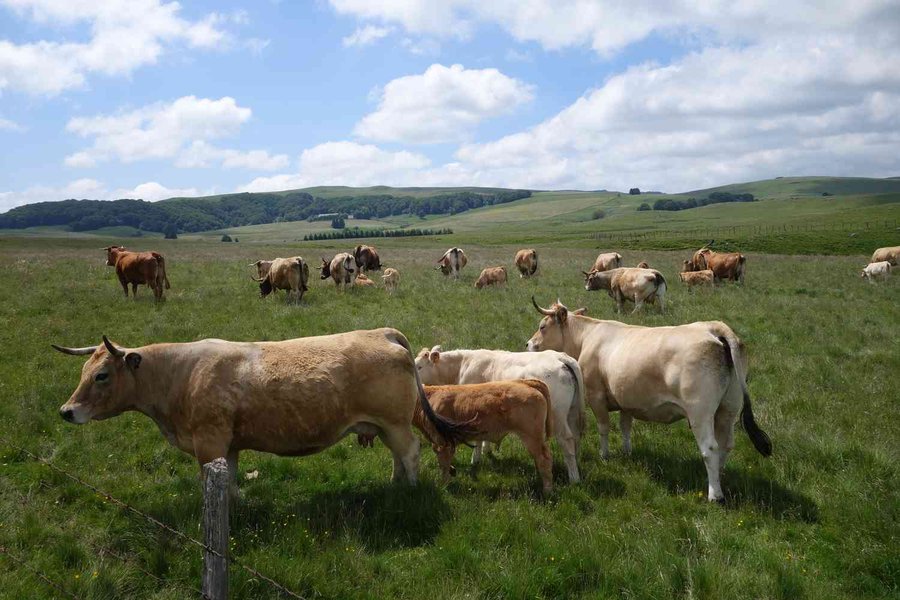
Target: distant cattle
(876, 270)
(726, 266)
(629, 284)
(214, 398)
(642, 265)
(138, 268)
(391, 279)
(492, 411)
(491, 276)
(607, 261)
(362, 280)
(452, 262)
(341, 269)
(693, 278)
(290, 274)
(660, 374)
(527, 262)
(366, 258)
(891, 254)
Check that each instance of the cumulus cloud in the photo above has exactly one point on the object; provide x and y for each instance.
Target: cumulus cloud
(124, 35)
(92, 189)
(179, 129)
(369, 34)
(346, 163)
(442, 104)
(7, 125)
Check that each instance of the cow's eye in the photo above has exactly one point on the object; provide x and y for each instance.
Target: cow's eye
(101, 376)
(542, 327)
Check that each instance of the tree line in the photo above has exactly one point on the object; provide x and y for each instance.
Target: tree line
(356, 232)
(713, 198)
(236, 210)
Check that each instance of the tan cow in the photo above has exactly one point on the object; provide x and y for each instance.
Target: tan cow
(291, 274)
(492, 411)
(391, 279)
(607, 261)
(527, 262)
(726, 266)
(341, 269)
(629, 284)
(214, 398)
(879, 270)
(693, 278)
(452, 262)
(362, 280)
(891, 254)
(659, 374)
(138, 268)
(491, 276)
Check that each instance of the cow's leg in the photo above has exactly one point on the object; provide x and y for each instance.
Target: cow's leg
(539, 450)
(567, 441)
(724, 430)
(625, 425)
(476, 452)
(404, 447)
(133, 290)
(704, 433)
(638, 303)
(209, 446)
(125, 285)
(598, 406)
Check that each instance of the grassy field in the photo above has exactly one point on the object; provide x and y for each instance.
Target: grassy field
(817, 520)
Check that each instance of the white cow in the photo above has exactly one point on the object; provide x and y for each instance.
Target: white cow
(559, 371)
(876, 270)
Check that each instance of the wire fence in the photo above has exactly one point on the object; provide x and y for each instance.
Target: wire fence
(149, 518)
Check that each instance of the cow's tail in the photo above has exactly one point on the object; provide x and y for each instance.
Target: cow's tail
(760, 438)
(302, 273)
(660, 284)
(578, 398)
(452, 431)
(162, 268)
(534, 264)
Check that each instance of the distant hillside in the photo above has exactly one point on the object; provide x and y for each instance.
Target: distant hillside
(236, 210)
(785, 187)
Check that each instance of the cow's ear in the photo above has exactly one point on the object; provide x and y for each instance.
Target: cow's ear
(133, 360)
(561, 316)
(580, 311)
(435, 354)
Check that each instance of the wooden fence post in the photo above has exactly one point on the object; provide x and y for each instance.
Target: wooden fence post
(215, 529)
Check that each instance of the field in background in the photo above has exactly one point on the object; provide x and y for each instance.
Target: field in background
(817, 520)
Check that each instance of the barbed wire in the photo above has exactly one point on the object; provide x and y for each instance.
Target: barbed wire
(5, 552)
(182, 536)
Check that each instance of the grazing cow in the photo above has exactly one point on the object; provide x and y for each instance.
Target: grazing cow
(633, 285)
(607, 261)
(214, 398)
(527, 262)
(137, 268)
(366, 258)
(642, 265)
(492, 411)
(491, 276)
(362, 280)
(340, 269)
(660, 374)
(452, 262)
(877, 270)
(891, 254)
(391, 279)
(291, 274)
(726, 266)
(559, 371)
(692, 278)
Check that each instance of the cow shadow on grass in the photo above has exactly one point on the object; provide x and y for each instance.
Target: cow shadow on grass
(742, 487)
(381, 516)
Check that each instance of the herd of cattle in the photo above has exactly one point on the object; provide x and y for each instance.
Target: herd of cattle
(214, 398)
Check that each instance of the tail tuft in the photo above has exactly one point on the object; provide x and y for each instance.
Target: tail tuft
(760, 438)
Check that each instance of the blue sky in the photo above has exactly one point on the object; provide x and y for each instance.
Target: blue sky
(151, 99)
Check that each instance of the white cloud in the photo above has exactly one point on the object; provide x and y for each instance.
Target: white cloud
(124, 35)
(369, 34)
(179, 129)
(443, 104)
(7, 125)
(346, 163)
(92, 189)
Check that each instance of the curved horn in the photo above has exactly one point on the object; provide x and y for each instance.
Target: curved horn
(543, 311)
(257, 280)
(75, 351)
(118, 353)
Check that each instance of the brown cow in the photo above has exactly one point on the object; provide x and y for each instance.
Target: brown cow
(627, 284)
(291, 274)
(362, 280)
(366, 258)
(527, 262)
(491, 276)
(607, 261)
(138, 268)
(492, 411)
(692, 278)
(726, 266)
(452, 262)
(340, 269)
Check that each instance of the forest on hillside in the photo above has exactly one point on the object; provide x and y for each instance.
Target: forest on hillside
(236, 210)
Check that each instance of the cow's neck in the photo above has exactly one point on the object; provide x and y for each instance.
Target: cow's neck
(160, 386)
(574, 335)
(449, 366)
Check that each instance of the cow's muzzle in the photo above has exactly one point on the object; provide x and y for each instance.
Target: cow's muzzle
(67, 414)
